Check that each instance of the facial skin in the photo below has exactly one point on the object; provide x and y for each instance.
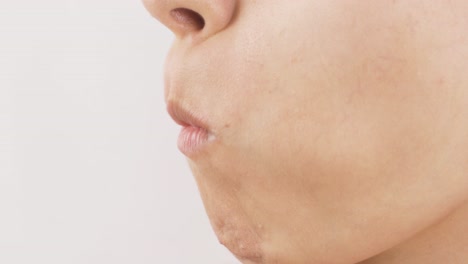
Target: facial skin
(341, 127)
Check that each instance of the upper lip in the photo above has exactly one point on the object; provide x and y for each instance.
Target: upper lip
(183, 116)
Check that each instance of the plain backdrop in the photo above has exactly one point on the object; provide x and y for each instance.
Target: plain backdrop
(89, 168)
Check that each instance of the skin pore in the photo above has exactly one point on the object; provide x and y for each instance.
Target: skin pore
(340, 127)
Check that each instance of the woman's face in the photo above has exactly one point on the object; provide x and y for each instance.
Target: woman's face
(337, 125)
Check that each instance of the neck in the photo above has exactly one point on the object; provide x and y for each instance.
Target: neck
(444, 242)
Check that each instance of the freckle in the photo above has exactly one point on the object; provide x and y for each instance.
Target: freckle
(227, 125)
(441, 81)
(294, 60)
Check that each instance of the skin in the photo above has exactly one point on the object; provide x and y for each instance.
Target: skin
(341, 127)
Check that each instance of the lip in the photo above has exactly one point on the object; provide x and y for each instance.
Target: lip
(194, 135)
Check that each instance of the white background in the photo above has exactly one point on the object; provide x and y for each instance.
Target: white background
(89, 169)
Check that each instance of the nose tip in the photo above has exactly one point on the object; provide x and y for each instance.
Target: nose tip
(193, 17)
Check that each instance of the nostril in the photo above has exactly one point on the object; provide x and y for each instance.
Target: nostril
(188, 18)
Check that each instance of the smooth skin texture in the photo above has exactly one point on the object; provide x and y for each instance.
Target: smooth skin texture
(341, 126)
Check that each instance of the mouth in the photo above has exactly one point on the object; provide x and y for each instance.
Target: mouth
(194, 135)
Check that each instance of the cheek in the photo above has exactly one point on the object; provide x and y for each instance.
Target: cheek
(326, 141)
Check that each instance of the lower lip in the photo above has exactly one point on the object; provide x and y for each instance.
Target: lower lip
(192, 140)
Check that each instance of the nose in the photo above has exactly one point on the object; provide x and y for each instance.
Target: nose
(193, 17)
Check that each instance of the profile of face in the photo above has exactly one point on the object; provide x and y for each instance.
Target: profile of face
(320, 131)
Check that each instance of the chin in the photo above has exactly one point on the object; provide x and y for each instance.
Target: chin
(238, 237)
(235, 230)
(234, 227)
